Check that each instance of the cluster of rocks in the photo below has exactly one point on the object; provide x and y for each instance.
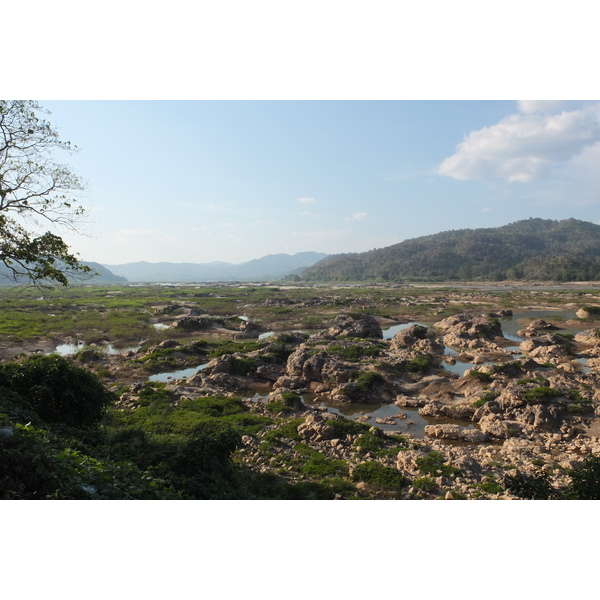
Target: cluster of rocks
(539, 408)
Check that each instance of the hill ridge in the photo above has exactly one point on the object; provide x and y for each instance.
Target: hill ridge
(529, 249)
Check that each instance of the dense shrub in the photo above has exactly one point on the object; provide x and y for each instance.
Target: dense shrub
(367, 380)
(480, 375)
(354, 352)
(540, 395)
(433, 464)
(57, 390)
(28, 470)
(419, 364)
(529, 487)
(585, 480)
(344, 427)
(375, 473)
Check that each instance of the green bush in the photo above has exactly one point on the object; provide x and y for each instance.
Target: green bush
(433, 464)
(367, 442)
(490, 486)
(288, 430)
(244, 366)
(374, 473)
(231, 347)
(540, 395)
(529, 487)
(27, 468)
(354, 352)
(343, 427)
(419, 364)
(201, 466)
(480, 375)
(154, 394)
(425, 484)
(579, 409)
(318, 464)
(585, 480)
(367, 380)
(486, 397)
(57, 390)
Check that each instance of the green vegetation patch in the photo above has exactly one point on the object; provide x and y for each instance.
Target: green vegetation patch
(354, 352)
(480, 376)
(344, 427)
(366, 380)
(287, 431)
(318, 464)
(489, 485)
(433, 464)
(540, 395)
(289, 402)
(486, 397)
(376, 474)
(232, 346)
(419, 364)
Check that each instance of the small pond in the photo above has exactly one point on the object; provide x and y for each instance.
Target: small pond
(181, 374)
(70, 349)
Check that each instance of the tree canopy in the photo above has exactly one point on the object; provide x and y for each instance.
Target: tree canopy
(36, 193)
(531, 249)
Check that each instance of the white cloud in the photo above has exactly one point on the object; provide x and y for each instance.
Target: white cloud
(359, 216)
(307, 200)
(523, 147)
(541, 106)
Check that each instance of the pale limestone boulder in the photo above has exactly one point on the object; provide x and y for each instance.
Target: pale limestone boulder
(454, 432)
(407, 461)
(316, 429)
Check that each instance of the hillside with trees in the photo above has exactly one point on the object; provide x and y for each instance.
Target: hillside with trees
(532, 249)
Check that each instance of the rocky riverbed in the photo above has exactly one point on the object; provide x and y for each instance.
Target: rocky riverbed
(504, 424)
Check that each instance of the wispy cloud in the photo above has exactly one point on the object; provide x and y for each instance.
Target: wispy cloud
(541, 106)
(523, 147)
(359, 216)
(306, 200)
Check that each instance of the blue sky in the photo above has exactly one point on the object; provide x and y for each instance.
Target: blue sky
(199, 181)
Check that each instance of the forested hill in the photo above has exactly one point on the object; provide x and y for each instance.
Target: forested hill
(533, 249)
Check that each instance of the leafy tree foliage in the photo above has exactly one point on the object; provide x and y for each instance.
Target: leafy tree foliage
(35, 193)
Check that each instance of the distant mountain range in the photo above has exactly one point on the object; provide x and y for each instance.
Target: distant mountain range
(103, 276)
(532, 249)
(267, 268)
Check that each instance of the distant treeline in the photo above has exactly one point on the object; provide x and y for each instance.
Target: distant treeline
(533, 249)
